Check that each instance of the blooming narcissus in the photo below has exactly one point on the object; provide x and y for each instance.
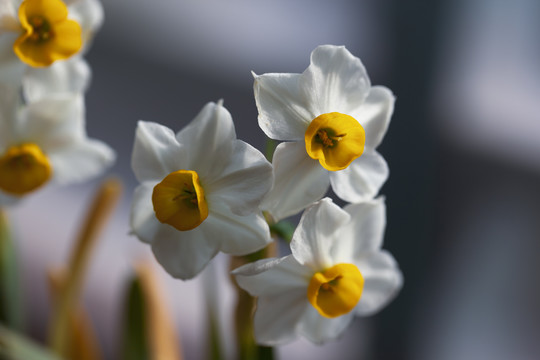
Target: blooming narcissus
(45, 142)
(332, 119)
(35, 34)
(200, 192)
(337, 270)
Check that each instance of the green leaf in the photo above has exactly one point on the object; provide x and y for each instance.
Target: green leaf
(283, 229)
(134, 342)
(16, 347)
(269, 149)
(10, 292)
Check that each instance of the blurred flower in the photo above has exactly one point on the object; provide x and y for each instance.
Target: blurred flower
(34, 34)
(333, 119)
(200, 192)
(337, 270)
(45, 142)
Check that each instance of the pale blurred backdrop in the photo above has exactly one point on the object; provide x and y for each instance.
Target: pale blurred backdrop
(463, 148)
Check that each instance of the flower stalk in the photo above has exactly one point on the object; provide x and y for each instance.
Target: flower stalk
(100, 211)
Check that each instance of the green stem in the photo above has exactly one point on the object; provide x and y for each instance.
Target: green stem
(10, 292)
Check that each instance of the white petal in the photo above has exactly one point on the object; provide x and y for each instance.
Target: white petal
(273, 276)
(81, 161)
(156, 152)
(89, 15)
(8, 17)
(283, 112)
(382, 282)
(236, 235)
(364, 232)
(183, 254)
(70, 76)
(10, 102)
(245, 180)
(143, 221)
(11, 68)
(210, 139)
(314, 239)
(319, 329)
(374, 115)
(278, 316)
(53, 123)
(298, 181)
(362, 180)
(335, 81)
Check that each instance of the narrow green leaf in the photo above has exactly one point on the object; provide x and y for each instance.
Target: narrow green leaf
(265, 353)
(16, 347)
(134, 342)
(10, 291)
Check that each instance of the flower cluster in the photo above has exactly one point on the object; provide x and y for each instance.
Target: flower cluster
(203, 191)
(43, 78)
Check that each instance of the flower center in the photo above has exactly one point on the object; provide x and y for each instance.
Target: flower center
(23, 168)
(336, 291)
(179, 200)
(48, 34)
(335, 139)
(41, 29)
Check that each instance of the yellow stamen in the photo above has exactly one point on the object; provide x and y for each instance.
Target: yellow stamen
(48, 34)
(336, 291)
(23, 168)
(179, 200)
(335, 140)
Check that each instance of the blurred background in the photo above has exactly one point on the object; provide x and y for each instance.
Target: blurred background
(463, 147)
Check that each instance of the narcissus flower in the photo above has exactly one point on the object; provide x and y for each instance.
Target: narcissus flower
(200, 192)
(35, 34)
(332, 119)
(45, 142)
(337, 270)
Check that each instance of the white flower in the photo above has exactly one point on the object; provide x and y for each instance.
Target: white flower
(200, 192)
(39, 37)
(333, 120)
(337, 270)
(45, 142)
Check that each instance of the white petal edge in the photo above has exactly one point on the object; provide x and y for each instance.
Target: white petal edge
(273, 276)
(156, 152)
(299, 181)
(89, 15)
(183, 254)
(374, 115)
(382, 282)
(53, 123)
(362, 180)
(277, 317)
(364, 232)
(283, 112)
(315, 236)
(70, 76)
(319, 329)
(81, 161)
(142, 219)
(209, 140)
(236, 235)
(335, 81)
(243, 183)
